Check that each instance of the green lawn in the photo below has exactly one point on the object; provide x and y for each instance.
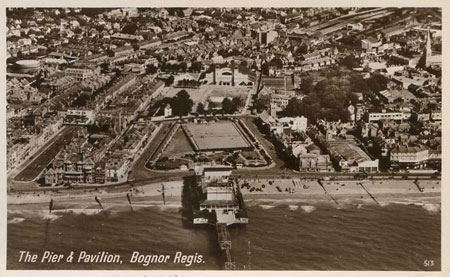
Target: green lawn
(178, 144)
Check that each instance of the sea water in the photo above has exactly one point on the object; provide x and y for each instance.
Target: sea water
(279, 236)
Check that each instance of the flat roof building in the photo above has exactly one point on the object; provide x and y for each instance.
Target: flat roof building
(350, 157)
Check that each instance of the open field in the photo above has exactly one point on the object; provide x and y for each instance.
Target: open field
(228, 91)
(178, 144)
(202, 94)
(197, 95)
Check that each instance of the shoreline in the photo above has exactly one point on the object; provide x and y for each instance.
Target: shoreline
(17, 213)
(335, 192)
(115, 204)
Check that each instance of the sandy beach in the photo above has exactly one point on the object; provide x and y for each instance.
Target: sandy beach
(87, 198)
(339, 189)
(337, 192)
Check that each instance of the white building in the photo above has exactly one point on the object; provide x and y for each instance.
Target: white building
(279, 100)
(80, 74)
(370, 43)
(224, 193)
(227, 77)
(214, 174)
(355, 26)
(297, 124)
(167, 111)
(263, 33)
(436, 115)
(385, 115)
(294, 124)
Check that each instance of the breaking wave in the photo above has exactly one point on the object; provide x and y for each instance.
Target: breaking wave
(51, 217)
(308, 209)
(80, 211)
(266, 207)
(15, 220)
(432, 208)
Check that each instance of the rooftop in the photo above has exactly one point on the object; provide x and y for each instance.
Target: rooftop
(348, 150)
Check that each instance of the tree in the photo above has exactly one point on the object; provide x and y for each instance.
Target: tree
(350, 62)
(77, 30)
(129, 28)
(307, 85)
(151, 69)
(227, 106)
(104, 67)
(293, 107)
(358, 83)
(328, 100)
(183, 66)
(183, 94)
(311, 108)
(265, 69)
(80, 101)
(353, 98)
(99, 28)
(321, 87)
(196, 67)
(263, 103)
(377, 82)
(92, 12)
(200, 108)
(182, 103)
(237, 103)
(169, 81)
(277, 62)
(211, 105)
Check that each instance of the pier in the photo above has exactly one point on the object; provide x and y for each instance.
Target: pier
(217, 201)
(224, 241)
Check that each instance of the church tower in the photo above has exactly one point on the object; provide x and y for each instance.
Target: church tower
(425, 60)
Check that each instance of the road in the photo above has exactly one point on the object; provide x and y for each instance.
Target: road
(279, 162)
(45, 155)
(142, 175)
(139, 171)
(165, 177)
(265, 174)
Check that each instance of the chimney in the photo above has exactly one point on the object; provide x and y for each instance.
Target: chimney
(214, 73)
(285, 83)
(232, 73)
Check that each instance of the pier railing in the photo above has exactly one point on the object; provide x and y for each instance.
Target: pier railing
(224, 240)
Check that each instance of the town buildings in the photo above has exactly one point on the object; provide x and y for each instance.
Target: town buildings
(102, 72)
